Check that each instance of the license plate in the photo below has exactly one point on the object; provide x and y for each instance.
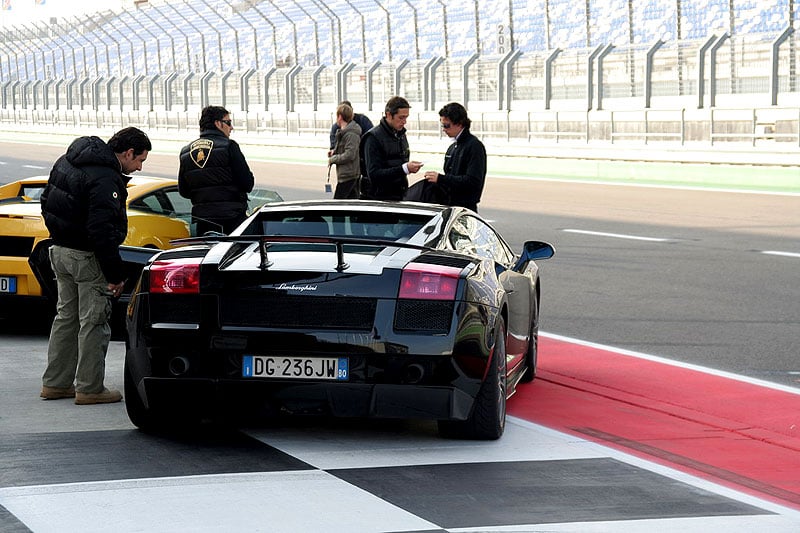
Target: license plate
(315, 368)
(8, 284)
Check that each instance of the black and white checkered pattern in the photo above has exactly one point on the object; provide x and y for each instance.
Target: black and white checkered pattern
(354, 476)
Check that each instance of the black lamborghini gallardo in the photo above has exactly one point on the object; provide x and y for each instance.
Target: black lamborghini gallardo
(344, 308)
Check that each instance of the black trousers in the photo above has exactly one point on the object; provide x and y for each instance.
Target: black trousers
(219, 225)
(346, 190)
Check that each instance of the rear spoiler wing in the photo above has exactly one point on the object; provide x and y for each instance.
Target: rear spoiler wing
(265, 241)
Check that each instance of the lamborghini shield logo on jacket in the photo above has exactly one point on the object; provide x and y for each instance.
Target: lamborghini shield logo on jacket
(200, 151)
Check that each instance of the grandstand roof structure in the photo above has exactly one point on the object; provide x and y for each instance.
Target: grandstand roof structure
(550, 63)
(159, 36)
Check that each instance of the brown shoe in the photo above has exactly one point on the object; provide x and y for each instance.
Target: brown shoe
(56, 393)
(107, 396)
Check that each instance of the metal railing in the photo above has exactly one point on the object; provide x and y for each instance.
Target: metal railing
(777, 128)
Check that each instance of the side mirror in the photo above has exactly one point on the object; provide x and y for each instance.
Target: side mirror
(534, 250)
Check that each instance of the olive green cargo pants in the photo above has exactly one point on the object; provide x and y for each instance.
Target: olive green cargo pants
(81, 332)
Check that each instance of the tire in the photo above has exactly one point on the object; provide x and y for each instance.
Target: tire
(139, 415)
(488, 418)
(532, 354)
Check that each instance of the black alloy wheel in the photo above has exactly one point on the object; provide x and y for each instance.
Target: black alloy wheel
(488, 418)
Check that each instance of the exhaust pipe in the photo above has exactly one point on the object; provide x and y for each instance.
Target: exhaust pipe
(178, 366)
(414, 373)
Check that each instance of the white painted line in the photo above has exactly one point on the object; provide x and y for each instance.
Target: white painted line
(684, 187)
(616, 235)
(672, 362)
(782, 254)
(36, 167)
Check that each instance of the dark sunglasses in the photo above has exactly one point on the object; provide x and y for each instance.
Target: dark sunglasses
(227, 122)
(446, 126)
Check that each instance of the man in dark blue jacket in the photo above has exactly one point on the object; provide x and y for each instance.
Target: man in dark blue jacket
(214, 175)
(85, 211)
(464, 170)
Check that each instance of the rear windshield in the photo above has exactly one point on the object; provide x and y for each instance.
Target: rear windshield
(392, 226)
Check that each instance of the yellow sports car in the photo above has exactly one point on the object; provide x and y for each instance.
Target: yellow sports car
(157, 213)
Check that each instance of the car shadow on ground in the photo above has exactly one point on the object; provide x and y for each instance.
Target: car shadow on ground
(32, 318)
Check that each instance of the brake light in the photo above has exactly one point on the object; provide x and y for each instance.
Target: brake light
(177, 276)
(429, 282)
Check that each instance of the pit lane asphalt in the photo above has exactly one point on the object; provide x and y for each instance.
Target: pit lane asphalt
(742, 220)
(68, 467)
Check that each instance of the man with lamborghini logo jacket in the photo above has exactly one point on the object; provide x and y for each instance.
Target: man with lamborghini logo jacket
(214, 175)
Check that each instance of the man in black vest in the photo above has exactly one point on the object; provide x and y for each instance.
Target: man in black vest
(465, 161)
(386, 154)
(214, 175)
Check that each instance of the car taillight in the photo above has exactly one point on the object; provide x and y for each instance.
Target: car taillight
(178, 276)
(429, 282)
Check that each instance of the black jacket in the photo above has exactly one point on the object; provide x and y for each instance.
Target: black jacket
(385, 151)
(215, 176)
(84, 203)
(464, 171)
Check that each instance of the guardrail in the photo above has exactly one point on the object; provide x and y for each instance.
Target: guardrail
(762, 127)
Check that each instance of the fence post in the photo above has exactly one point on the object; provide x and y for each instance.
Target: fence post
(701, 70)
(590, 75)
(606, 50)
(370, 92)
(648, 72)
(267, 75)
(548, 77)
(775, 57)
(223, 90)
(683, 125)
(465, 77)
(244, 89)
(712, 89)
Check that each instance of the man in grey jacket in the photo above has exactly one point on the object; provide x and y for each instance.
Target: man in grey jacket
(345, 154)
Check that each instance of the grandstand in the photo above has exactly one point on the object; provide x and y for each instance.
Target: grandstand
(532, 69)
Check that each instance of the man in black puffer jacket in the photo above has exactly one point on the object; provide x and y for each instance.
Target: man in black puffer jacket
(386, 155)
(84, 210)
(214, 175)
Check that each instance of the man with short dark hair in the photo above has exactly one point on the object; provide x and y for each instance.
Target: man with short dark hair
(84, 208)
(214, 175)
(386, 154)
(464, 162)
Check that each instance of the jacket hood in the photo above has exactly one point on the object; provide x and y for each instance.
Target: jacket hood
(87, 151)
(352, 126)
